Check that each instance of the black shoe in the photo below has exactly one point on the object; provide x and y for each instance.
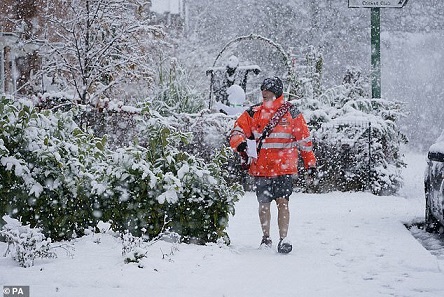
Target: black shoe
(284, 246)
(266, 242)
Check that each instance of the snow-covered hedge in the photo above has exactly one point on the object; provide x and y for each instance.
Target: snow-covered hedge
(59, 178)
(357, 140)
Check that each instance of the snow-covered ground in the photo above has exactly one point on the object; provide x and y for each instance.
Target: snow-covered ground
(344, 244)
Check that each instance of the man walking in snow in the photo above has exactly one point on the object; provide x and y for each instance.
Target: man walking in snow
(272, 134)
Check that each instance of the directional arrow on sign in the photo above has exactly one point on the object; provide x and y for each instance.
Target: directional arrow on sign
(381, 4)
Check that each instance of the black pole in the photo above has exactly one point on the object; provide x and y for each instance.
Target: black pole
(369, 187)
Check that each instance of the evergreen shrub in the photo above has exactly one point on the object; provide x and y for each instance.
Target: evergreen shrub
(25, 244)
(356, 140)
(64, 180)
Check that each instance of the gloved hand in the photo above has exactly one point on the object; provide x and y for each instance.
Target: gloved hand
(312, 180)
(242, 150)
(242, 147)
(312, 172)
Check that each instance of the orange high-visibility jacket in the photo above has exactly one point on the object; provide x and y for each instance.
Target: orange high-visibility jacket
(279, 152)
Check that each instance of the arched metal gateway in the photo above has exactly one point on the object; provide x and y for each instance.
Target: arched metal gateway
(212, 71)
(278, 47)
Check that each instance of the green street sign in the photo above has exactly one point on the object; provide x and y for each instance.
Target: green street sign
(376, 4)
(376, 36)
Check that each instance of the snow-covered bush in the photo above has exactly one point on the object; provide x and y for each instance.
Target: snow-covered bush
(158, 184)
(59, 178)
(45, 160)
(25, 244)
(173, 93)
(209, 132)
(129, 242)
(357, 139)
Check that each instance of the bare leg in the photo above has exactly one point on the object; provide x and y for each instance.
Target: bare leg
(265, 217)
(283, 216)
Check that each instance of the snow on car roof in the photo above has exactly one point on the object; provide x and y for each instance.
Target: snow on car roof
(438, 146)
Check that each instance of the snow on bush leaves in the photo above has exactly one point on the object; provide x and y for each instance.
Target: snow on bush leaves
(67, 179)
(25, 244)
(357, 139)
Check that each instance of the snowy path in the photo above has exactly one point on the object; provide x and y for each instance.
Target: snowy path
(344, 245)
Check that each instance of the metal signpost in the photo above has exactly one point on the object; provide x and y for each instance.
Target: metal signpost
(376, 36)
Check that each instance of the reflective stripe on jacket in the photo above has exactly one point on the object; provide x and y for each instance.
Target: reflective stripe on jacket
(279, 152)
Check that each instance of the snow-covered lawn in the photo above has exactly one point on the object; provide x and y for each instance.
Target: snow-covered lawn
(344, 244)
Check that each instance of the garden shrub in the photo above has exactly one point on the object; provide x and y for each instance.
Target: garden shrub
(356, 140)
(59, 178)
(25, 244)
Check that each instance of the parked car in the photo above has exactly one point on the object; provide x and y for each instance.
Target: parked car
(434, 187)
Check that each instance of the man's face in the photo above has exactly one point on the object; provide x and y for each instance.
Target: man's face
(268, 96)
